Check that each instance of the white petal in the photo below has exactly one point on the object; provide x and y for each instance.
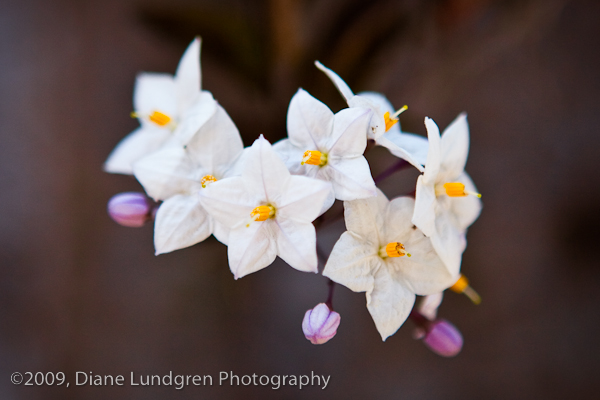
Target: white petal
(291, 156)
(407, 146)
(352, 262)
(351, 178)
(251, 248)
(432, 164)
(339, 83)
(217, 144)
(154, 92)
(227, 201)
(137, 144)
(365, 218)
(296, 244)
(348, 138)
(398, 225)
(196, 116)
(455, 148)
(466, 209)
(429, 305)
(425, 204)
(264, 172)
(449, 243)
(382, 105)
(221, 232)
(424, 272)
(376, 126)
(180, 222)
(168, 172)
(303, 198)
(309, 122)
(389, 303)
(188, 76)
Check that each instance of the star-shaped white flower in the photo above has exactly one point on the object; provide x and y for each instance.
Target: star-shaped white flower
(383, 254)
(269, 212)
(327, 146)
(161, 103)
(447, 202)
(176, 173)
(384, 126)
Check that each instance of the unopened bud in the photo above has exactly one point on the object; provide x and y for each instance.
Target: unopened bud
(320, 324)
(443, 338)
(130, 209)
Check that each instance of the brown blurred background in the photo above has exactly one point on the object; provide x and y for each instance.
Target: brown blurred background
(80, 293)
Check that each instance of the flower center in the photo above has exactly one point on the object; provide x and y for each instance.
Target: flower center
(394, 249)
(462, 286)
(454, 189)
(314, 157)
(207, 180)
(261, 213)
(393, 120)
(159, 118)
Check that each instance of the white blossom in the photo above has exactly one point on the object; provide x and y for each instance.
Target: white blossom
(177, 173)
(328, 147)
(161, 103)
(384, 126)
(269, 212)
(384, 255)
(447, 202)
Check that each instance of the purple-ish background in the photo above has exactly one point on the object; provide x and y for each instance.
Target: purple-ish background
(80, 293)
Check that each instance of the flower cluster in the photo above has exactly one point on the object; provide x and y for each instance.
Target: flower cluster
(261, 201)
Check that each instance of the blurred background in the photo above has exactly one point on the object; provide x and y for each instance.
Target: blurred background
(80, 293)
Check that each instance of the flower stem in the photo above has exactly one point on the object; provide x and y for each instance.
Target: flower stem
(400, 164)
(420, 320)
(329, 302)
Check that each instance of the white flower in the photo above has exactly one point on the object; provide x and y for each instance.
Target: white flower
(269, 212)
(327, 146)
(161, 102)
(383, 254)
(446, 199)
(384, 126)
(176, 173)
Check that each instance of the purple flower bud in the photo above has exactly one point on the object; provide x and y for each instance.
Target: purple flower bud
(443, 338)
(320, 324)
(130, 209)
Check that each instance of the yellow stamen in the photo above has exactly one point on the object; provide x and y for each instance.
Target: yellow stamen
(208, 179)
(457, 189)
(395, 249)
(314, 157)
(159, 118)
(393, 120)
(262, 213)
(462, 286)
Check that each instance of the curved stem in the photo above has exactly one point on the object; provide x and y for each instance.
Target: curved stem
(400, 164)
(329, 301)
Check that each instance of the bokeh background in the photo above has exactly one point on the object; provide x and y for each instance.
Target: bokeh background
(80, 293)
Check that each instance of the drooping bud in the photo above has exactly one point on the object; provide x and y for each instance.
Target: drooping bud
(443, 338)
(320, 324)
(130, 209)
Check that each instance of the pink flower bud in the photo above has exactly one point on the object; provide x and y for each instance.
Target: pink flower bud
(443, 338)
(320, 324)
(130, 209)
